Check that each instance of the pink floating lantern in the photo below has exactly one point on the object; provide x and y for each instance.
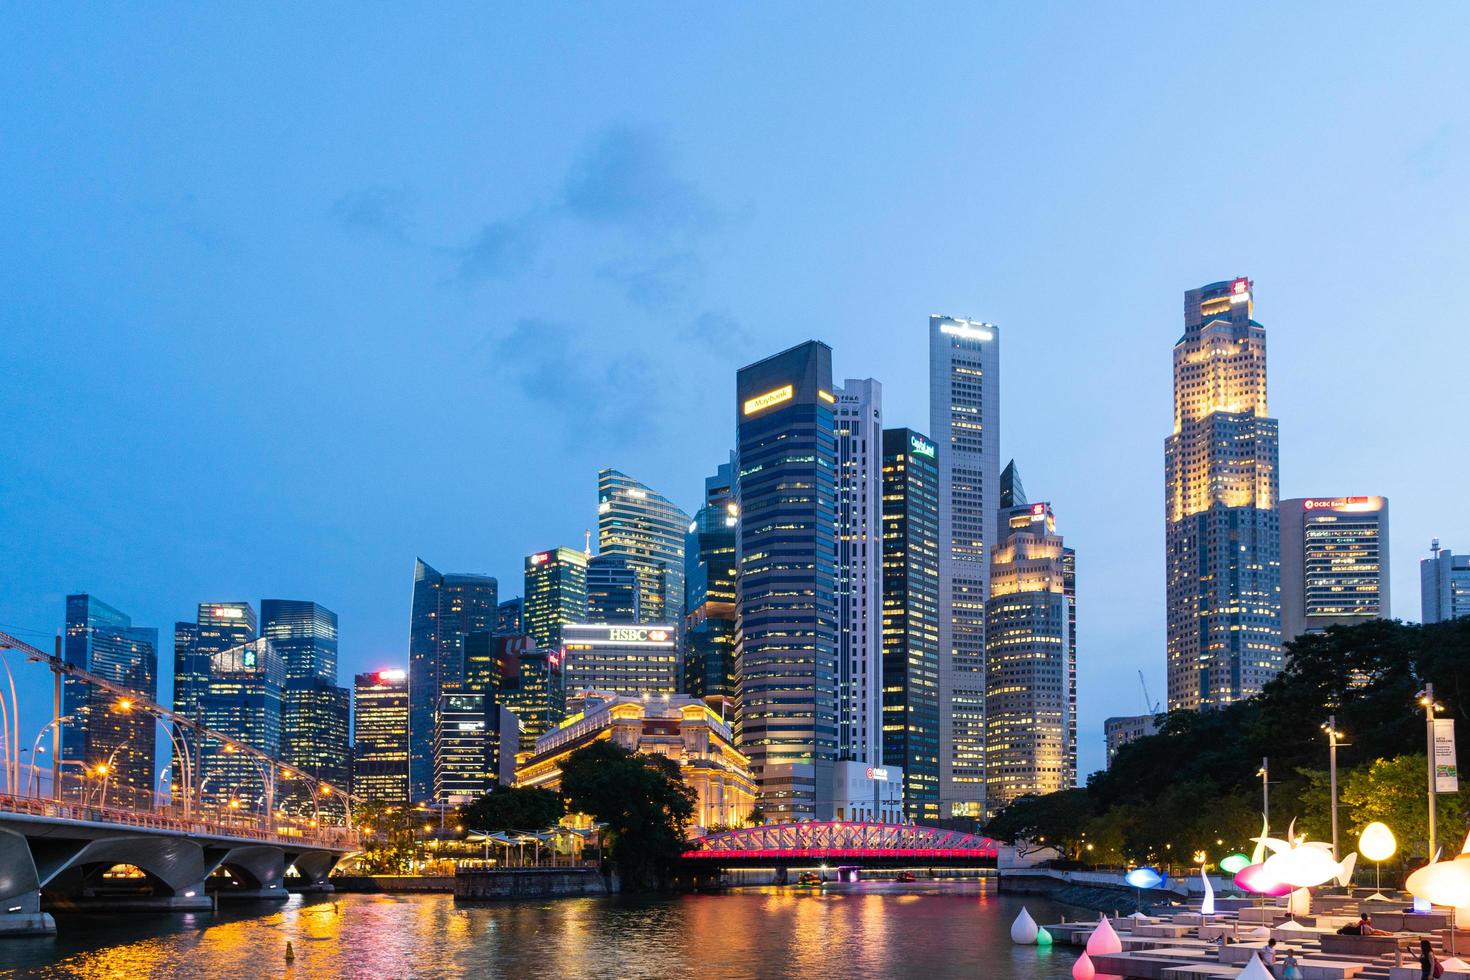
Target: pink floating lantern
(1083, 969)
(1256, 879)
(1104, 941)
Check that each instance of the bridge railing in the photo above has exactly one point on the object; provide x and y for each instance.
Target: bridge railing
(249, 827)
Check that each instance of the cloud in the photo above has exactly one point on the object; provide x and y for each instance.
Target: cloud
(626, 179)
(597, 399)
(499, 251)
(655, 284)
(718, 334)
(384, 211)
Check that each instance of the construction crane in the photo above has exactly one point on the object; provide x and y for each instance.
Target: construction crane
(1150, 706)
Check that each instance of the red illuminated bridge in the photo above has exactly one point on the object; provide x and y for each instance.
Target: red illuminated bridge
(849, 843)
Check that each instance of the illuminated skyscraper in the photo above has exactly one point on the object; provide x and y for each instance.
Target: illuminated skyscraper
(859, 569)
(646, 528)
(380, 736)
(709, 590)
(556, 594)
(1222, 531)
(911, 617)
(613, 593)
(510, 616)
(1031, 667)
(1334, 563)
(445, 608)
(244, 701)
(219, 626)
(964, 420)
(105, 737)
(632, 659)
(1444, 585)
(315, 711)
(786, 640)
(531, 687)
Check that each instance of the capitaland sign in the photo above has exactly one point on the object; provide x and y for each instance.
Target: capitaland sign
(920, 446)
(773, 397)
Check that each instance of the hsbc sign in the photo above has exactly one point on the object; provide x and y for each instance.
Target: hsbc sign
(619, 634)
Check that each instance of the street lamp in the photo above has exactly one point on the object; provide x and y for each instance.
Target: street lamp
(105, 771)
(1265, 773)
(1426, 698)
(1334, 739)
(36, 748)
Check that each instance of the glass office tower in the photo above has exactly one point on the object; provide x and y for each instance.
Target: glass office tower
(786, 638)
(110, 742)
(244, 701)
(859, 428)
(613, 593)
(1222, 531)
(709, 594)
(315, 710)
(218, 626)
(380, 736)
(643, 526)
(1334, 563)
(556, 593)
(445, 608)
(1444, 585)
(510, 616)
(964, 420)
(911, 617)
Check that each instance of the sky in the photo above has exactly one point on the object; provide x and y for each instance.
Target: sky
(293, 294)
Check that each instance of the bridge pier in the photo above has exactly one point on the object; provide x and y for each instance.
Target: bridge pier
(313, 869)
(255, 872)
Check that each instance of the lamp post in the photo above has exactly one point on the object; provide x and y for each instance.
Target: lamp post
(1265, 773)
(35, 748)
(1426, 698)
(1334, 739)
(106, 770)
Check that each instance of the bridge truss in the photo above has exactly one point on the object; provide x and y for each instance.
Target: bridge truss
(838, 840)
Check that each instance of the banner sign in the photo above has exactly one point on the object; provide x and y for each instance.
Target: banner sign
(1446, 774)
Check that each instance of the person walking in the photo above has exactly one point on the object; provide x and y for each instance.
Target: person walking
(1290, 969)
(1429, 967)
(1268, 957)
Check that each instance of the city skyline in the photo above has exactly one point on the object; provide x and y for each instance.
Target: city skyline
(1126, 238)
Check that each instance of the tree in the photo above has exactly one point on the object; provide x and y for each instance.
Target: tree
(641, 799)
(1057, 820)
(507, 808)
(1394, 791)
(387, 838)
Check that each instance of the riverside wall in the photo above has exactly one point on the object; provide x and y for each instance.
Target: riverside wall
(490, 886)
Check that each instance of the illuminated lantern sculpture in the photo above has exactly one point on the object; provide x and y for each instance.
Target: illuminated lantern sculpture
(1254, 879)
(1083, 968)
(1207, 906)
(1043, 938)
(1377, 844)
(1024, 930)
(1231, 864)
(1254, 970)
(1104, 941)
(1145, 878)
(1444, 882)
(1304, 864)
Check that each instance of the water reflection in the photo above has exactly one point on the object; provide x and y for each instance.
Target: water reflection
(872, 929)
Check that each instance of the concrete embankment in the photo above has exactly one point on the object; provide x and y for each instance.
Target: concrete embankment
(393, 884)
(488, 886)
(1097, 890)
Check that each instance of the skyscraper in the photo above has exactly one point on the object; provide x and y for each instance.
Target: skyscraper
(613, 593)
(646, 528)
(244, 701)
(315, 710)
(1334, 562)
(632, 659)
(531, 688)
(1444, 585)
(1222, 531)
(510, 616)
(709, 591)
(964, 420)
(556, 594)
(445, 608)
(911, 617)
(1030, 666)
(859, 569)
(380, 736)
(463, 746)
(786, 639)
(218, 626)
(109, 741)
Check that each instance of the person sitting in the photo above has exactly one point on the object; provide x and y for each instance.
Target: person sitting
(1365, 927)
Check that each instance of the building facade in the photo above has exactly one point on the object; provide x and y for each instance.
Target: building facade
(632, 660)
(682, 729)
(1444, 585)
(911, 617)
(111, 744)
(556, 593)
(786, 637)
(315, 711)
(464, 746)
(709, 594)
(380, 736)
(510, 616)
(964, 421)
(1222, 529)
(1118, 732)
(531, 688)
(859, 571)
(1030, 667)
(446, 607)
(244, 701)
(1334, 563)
(218, 626)
(646, 529)
(613, 590)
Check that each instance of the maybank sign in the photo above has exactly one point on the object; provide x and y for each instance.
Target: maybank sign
(773, 397)
(920, 446)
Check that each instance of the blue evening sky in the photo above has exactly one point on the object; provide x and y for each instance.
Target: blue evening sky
(291, 294)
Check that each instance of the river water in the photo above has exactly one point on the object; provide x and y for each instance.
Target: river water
(876, 929)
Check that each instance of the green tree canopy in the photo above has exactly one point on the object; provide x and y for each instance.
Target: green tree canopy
(507, 808)
(642, 800)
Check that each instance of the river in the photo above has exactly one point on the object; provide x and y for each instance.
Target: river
(923, 930)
